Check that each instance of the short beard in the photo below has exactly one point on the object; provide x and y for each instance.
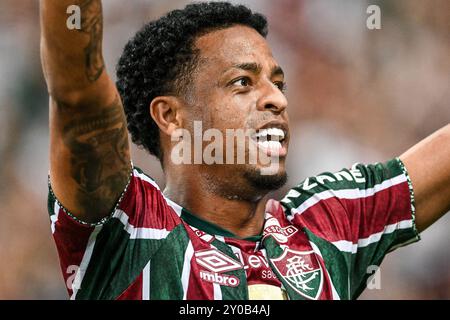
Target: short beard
(265, 182)
(255, 186)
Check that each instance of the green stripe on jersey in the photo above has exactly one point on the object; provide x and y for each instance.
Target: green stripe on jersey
(373, 255)
(167, 266)
(337, 263)
(349, 271)
(116, 262)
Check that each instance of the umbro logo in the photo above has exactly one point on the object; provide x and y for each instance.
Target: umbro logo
(215, 261)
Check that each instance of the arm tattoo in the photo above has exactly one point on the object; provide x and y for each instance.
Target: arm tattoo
(99, 157)
(92, 25)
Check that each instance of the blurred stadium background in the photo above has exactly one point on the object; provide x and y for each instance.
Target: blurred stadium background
(355, 95)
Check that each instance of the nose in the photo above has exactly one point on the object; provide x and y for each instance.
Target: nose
(272, 99)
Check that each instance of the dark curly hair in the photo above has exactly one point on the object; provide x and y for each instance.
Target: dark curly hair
(160, 58)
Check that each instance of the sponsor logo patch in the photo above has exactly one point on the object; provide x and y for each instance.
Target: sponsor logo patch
(221, 279)
(281, 234)
(301, 271)
(216, 261)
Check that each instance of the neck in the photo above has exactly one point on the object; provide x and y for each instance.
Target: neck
(242, 217)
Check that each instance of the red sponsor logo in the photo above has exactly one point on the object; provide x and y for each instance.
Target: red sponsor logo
(286, 231)
(281, 234)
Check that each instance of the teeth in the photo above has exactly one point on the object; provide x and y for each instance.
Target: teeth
(274, 145)
(262, 133)
(275, 134)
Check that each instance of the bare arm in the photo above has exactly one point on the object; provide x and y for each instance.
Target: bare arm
(89, 151)
(428, 164)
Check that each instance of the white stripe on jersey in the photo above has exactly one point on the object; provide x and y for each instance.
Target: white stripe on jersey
(345, 194)
(146, 282)
(186, 272)
(144, 177)
(85, 262)
(54, 217)
(139, 233)
(177, 208)
(217, 291)
(348, 246)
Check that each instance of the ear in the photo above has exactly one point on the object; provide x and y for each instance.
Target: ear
(167, 111)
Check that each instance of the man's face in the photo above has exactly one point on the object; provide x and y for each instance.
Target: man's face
(239, 85)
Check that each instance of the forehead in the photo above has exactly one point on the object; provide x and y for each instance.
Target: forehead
(234, 45)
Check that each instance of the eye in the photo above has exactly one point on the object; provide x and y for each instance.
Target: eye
(280, 85)
(243, 82)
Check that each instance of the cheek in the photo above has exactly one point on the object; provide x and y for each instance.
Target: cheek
(228, 116)
(235, 110)
(246, 102)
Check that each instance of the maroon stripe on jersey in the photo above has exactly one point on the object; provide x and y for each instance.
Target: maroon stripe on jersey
(146, 207)
(134, 291)
(256, 266)
(329, 218)
(384, 208)
(71, 238)
(244, 245)
(198, 289)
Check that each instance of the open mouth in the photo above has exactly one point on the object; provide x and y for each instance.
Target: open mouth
(271, 140)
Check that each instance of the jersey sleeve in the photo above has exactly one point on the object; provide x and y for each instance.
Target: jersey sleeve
(355, 217)
(100, 260)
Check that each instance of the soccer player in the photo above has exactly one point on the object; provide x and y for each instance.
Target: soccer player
(212, 233)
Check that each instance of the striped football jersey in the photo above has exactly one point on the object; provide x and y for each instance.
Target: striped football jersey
(321, 241)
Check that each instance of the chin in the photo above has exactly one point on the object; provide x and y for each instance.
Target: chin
(260, 180)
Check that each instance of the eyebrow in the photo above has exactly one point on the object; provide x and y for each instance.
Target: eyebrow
(256, 68)
(277, 71)
(249, 66)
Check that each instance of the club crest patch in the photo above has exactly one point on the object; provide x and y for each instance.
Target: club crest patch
(301, 271)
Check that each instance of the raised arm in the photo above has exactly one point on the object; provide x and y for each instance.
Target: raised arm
(89, 150)
(428, 164)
